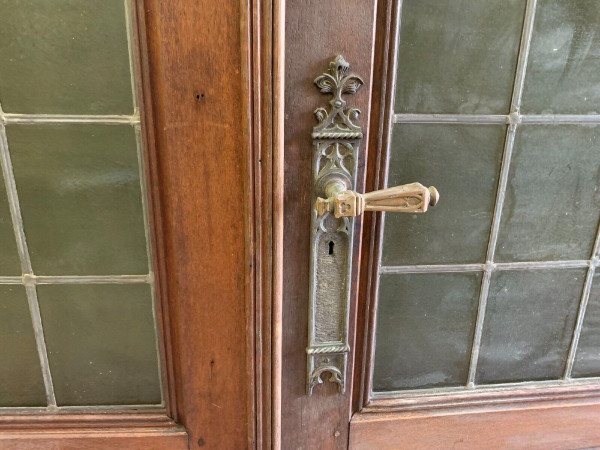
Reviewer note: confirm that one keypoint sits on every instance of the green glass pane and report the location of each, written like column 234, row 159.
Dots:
column 529, row 323
column 80, row 197
column 563, row 74
column 9, row 258
column 21, row 382
column 101, row 344
column 64, row 57
column 463, row 162
column 587, row 360
column 425, row 326
column 552, row 204
column 458, row 56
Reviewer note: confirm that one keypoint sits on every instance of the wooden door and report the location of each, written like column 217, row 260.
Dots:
column 140, row 216
column 472, row 325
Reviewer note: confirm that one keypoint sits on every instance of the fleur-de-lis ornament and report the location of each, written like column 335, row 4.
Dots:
column 337, row 123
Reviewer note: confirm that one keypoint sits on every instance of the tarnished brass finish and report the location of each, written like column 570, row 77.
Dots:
column 336, row 143
column 408, row 198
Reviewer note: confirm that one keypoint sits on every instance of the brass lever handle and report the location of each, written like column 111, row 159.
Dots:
column 408, row 198
column 336, row 155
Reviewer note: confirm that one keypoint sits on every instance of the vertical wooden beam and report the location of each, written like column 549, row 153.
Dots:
column 196, row 76
column 316, row 31
column 216, row 83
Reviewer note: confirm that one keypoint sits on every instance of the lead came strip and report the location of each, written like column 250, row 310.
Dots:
column 489, row 265
column 514, row 119
column 525, row 265
column 31, row 119
column 129, row 9
column 78, row 279
column 451, row 118
column 32, row 300
column 482, row 119
column 585, row 296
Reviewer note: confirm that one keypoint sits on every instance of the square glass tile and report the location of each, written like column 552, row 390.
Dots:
column 563, row 73
column 458, row 56
column 101, row 344
column 587, row 359
column 79, row 190
column 64, row 57
column 425, row 326
column 463, row 162
column 9, row 258
column 21, row 382
column 528, row 325
column 552, row 204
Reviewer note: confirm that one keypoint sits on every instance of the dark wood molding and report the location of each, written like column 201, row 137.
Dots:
column 108, row 430
column 142, row 67
column 264, row 32
column 485, row 398
column 386, row 32
column 97, row 439
column 530, row 425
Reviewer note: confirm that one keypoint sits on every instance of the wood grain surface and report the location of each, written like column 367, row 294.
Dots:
column 216, row 71
column 562, row 427
column 316, row 32
column 211, row 96
column 105, row 430
column 200, row 100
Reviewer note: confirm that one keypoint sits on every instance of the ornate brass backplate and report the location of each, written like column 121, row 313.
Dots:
column 336, row 142
column 335, row 154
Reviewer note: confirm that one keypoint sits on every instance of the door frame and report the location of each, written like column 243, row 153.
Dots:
column 210, row 83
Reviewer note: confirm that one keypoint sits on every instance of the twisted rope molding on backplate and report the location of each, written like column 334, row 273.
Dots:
column 328, row 349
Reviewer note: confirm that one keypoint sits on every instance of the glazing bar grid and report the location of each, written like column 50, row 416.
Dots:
column 28, row 279
column 514, row 119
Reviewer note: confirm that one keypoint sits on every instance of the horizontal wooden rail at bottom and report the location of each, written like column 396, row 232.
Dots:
column 532, row 427
column 70, row 431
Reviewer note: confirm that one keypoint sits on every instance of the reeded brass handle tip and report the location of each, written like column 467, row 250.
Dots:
column 408, row 198
column 434, row 195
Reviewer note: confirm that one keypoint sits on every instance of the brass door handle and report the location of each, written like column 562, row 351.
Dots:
column 336, row 153
column 408, row 198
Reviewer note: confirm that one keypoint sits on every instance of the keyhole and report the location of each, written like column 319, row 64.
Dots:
column 331, row 244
